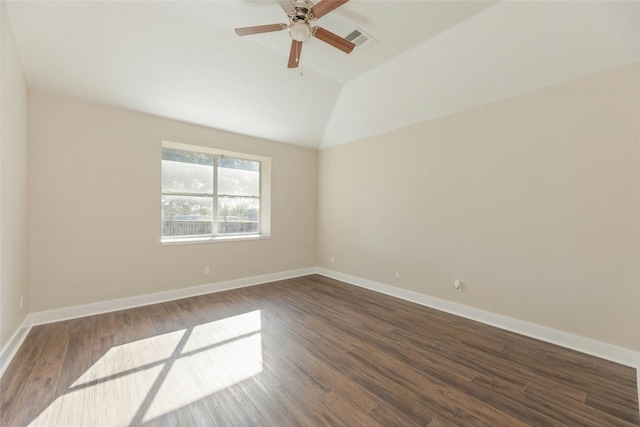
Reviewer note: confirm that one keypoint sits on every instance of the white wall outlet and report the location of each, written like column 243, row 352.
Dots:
column 333, row 260
column 397, row 274
column 21, row 302
column 207, row 271
column 457, row 285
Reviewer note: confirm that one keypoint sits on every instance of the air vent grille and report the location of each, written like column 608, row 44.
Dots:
column 362, row 40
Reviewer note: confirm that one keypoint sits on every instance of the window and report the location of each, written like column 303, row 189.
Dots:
column 210, row 194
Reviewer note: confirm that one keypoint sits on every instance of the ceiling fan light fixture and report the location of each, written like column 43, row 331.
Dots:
column 300, row 31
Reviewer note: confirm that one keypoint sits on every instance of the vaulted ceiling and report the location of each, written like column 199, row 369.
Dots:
column 183, row 60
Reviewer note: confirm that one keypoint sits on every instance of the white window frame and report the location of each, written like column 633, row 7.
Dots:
column 265, row 197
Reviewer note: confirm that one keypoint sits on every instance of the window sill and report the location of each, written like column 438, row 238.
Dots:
column 217, row 239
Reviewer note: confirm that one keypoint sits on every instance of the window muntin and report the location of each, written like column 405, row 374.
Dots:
column 208, row 193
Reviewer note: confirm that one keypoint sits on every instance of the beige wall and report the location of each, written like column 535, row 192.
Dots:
column 95, row 207
column 533, row 202
column 14, row 269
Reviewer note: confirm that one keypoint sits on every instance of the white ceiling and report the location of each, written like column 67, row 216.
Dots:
column 182, row 59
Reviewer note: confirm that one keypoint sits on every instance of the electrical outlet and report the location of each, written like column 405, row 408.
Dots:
column 397, row 273
column 207, row 271
column 457, row 285
column 333, row 260
column 21, row 302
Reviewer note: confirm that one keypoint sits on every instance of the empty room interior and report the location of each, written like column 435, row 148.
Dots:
column 286, row 213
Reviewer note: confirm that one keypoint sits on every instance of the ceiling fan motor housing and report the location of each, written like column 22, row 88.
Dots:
column 303, row 6
column 300, row 28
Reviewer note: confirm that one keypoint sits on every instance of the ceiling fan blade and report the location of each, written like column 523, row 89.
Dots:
column 247, row 31
column 294, row 55
column 286, row 5
column 333, row 39
column 326, row 6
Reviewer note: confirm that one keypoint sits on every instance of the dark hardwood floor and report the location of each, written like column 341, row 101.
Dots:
column 305, row 351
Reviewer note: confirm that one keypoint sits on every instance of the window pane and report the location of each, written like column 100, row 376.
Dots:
column 238, row 215
column 186, row 216
column 238, row 177
column 187, row 172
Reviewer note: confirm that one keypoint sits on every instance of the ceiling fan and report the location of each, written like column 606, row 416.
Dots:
column 300, row 14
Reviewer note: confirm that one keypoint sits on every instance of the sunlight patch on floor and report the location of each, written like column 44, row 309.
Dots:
column 146, row 379
column 201, row 374
column 125, row 359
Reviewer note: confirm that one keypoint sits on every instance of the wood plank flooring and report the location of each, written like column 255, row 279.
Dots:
column 306, row 351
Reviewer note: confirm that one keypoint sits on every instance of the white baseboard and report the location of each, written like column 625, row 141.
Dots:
column 14, row 343
column 600, row 349
column 67, row 313
column 585, row 345
column 39, row 318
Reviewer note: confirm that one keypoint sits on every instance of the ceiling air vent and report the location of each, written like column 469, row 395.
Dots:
column 362, row 40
